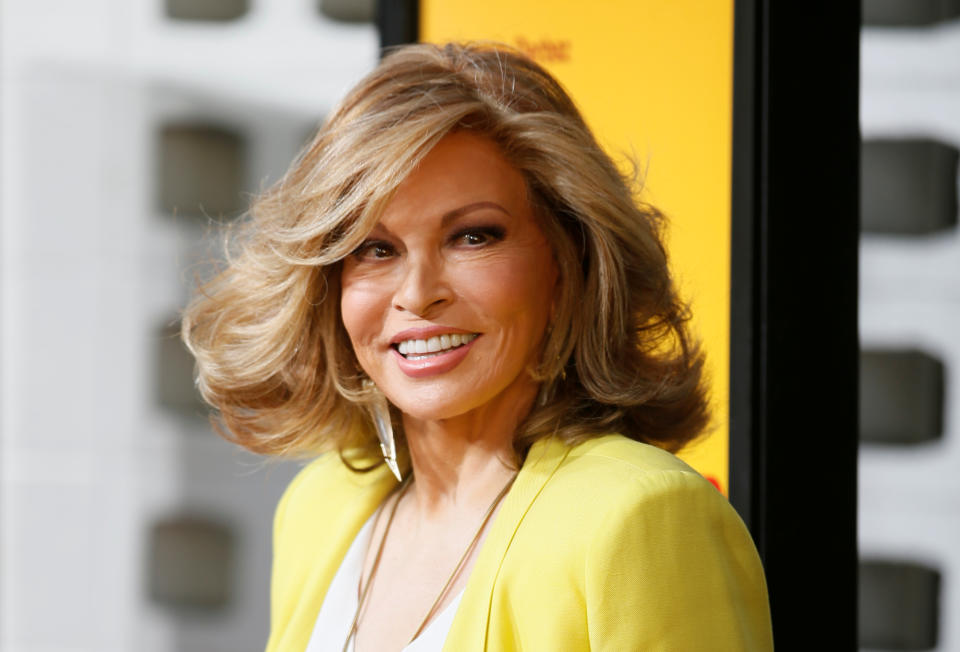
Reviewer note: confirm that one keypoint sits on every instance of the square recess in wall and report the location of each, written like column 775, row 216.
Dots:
column 349, row 11
column 173, row 374
column 899, row 605
column 190, row 563
column 206, row 10
column 201, row 170
column 901, row 397
column 908, row 187
column 909, row 13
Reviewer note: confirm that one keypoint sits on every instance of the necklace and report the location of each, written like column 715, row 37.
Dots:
column 365, row 591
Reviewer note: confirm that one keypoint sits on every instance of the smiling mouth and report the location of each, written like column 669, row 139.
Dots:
column 434, row 346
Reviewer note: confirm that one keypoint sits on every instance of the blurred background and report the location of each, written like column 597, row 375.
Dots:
column 909, row 464
column 131, row 129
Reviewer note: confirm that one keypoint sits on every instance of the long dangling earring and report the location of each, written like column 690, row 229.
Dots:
column 381, row 421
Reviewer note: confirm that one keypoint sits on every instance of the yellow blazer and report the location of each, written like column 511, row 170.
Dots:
column 608, row 545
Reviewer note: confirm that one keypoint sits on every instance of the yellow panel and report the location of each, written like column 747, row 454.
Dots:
column 654, row 81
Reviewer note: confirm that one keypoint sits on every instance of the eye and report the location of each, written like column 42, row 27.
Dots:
column 374, row 249
column 478, row 236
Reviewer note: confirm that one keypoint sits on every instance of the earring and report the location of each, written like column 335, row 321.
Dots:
column 381, row 421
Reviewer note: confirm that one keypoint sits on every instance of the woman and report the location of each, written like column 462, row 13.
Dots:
column 455, row 276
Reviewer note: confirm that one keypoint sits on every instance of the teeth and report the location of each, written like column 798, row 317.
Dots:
column 435, row 344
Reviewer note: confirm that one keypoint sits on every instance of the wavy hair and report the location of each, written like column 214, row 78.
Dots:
column 272, row 354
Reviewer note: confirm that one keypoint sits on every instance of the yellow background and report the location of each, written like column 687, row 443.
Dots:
column 654, row 79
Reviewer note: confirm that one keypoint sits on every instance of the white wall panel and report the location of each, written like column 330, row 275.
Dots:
column 92, row 269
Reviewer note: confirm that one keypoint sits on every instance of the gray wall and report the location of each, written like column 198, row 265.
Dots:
column 128, row 134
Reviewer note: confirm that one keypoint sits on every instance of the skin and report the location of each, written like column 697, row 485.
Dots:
column 459, row 247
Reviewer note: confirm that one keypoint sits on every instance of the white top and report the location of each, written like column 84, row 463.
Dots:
column 340, row 606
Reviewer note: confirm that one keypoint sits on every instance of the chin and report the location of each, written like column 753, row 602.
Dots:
column 431, row 410
column 442, row 401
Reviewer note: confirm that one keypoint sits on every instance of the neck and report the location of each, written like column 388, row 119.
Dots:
column 465, row 461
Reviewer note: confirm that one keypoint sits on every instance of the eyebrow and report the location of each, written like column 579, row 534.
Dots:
column 457, row 213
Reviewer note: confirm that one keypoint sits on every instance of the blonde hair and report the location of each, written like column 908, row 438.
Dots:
column 272, row 353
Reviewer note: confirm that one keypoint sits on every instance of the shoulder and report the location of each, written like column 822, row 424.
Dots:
column 634, row 530
column 618, row 452
column 610, row 489
column 324, row 488
column 621, row 472
column 326, row 494
column 313, row 476
column 617, row 501
column 304, row 506
column 312, row 482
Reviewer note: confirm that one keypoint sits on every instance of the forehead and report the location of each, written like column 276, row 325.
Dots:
column 462, row 169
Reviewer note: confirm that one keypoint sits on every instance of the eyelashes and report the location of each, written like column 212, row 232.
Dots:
column 374, row 249
column 479, row 235
column 473, row 237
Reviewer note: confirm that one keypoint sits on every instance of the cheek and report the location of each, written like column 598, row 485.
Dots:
column 361, row 309
column 517, row 292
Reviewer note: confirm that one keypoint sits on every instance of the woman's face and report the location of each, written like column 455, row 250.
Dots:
column 447, row 300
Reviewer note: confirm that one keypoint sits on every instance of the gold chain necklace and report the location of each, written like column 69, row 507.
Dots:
column 365, row 591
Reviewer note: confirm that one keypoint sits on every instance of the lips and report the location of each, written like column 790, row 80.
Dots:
column 413, row 354
column 416, row 349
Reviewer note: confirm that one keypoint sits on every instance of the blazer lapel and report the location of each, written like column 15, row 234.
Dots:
column 470, row 625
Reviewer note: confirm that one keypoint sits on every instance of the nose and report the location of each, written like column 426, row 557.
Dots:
column 423, row 288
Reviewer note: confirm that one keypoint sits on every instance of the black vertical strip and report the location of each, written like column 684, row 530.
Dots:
column 794, row 309
column 398, row 21
column 743, row 446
